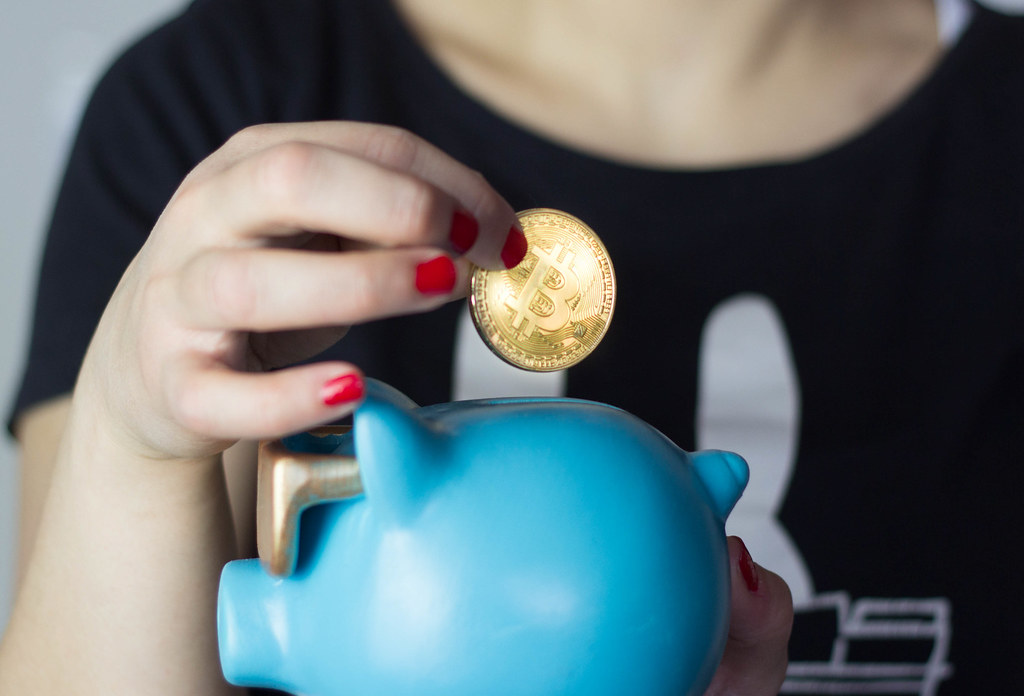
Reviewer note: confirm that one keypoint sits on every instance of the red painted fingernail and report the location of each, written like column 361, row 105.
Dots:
column 342, row 389
column 514, row 250
column 747, row 568
column 464, row 231
column 436, row 277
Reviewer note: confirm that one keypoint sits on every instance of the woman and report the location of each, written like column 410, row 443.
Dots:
column 837, row 159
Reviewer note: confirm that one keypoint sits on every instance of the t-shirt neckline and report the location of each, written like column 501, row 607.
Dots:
column 873, row 135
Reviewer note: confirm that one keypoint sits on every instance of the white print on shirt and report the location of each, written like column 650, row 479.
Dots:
column 480, row 374
column 748, row 401
column 887, row 627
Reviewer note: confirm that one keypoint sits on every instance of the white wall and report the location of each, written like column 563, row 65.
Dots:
column 50, row 51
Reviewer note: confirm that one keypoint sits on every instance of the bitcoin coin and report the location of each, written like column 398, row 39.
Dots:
column 551, row 310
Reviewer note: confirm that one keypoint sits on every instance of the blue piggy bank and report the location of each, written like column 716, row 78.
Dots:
column 519, row 546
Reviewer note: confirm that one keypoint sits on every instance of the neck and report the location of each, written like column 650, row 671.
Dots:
column 638, row 33
column 683, row 81
column 656, row 30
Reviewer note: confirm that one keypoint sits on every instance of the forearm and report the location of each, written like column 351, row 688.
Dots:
column 120, row 592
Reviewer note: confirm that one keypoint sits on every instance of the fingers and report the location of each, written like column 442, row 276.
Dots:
column 755, row 659
column 277, row 349
column 259, row 289
column 220, row 403
column 295, row 186
column 362, row 181
column 501, row 244
column 268, row 249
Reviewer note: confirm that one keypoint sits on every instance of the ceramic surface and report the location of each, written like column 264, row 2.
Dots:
column 521, row 546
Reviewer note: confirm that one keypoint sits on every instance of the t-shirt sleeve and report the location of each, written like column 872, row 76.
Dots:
column 165, row 103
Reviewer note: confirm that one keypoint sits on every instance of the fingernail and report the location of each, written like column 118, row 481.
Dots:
column 436, row 277
column 342, row 389
column 747, row 568
column 514, row 250
column 464, row 231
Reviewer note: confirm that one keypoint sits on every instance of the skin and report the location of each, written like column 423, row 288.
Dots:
column 129, row 471
column 684, row 83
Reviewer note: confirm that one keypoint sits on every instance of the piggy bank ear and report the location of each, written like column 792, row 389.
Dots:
column 394, row 448
column 724, row 476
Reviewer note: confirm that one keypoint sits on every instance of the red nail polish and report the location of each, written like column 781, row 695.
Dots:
column 747, row 568
column 464, row 231
column 514, row 250
column 436, row 277
column 342, row 389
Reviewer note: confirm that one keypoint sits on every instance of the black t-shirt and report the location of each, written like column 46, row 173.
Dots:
column 888, row 270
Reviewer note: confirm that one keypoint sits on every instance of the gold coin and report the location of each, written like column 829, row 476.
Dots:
column 551, row 310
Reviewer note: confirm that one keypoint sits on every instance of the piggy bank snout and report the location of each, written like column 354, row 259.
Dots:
column 250, row 647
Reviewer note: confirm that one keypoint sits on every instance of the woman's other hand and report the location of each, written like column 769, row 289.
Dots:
column 756, row 653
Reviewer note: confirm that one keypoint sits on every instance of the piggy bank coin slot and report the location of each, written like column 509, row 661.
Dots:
column 325, row 440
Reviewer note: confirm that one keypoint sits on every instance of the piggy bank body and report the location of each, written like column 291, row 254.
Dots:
column 526, row 546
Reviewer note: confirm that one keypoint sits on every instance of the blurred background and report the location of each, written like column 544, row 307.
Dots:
column 52, row 52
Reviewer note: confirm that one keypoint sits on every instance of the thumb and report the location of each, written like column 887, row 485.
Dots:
column 756, row 652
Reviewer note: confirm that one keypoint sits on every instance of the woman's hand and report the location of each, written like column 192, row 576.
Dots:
column 272, row 245
column 268, row 249
column 756, row 653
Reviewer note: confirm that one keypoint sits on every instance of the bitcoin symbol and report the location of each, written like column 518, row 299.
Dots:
column 549, row 312
column 551, row 286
